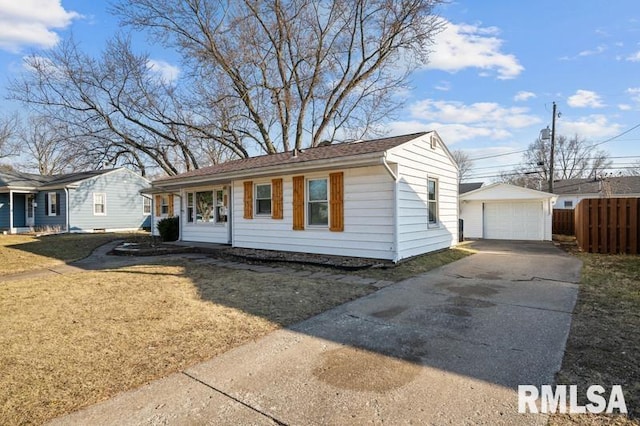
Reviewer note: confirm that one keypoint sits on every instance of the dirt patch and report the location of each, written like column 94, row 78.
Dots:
column 361, row 370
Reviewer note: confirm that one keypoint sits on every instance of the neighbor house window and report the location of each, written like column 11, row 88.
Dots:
column 263, row 199
column 204, row 206
column 99, row 204
column 146, row 205
column 317, row 202
column 52, row 205
column 221, row 206
column 432, row 200
column 568, row 203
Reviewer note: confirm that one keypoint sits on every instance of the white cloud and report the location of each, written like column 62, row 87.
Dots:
column 523, row 96
column 25, row 23
column 634, row 57
column 456, row 121
column 584, row 99
column 461, row 46
column 443, row 86
column 624, row 107
column 590, row 127
column 591, row 52
column 167, row 72
column 635, row 93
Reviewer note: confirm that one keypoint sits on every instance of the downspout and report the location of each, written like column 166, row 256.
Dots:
column 396, row 208
column 67, row 214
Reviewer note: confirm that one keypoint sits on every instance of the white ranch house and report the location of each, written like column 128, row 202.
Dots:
column 389, row 198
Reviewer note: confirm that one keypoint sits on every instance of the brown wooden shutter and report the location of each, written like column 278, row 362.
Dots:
column 336, row 202
column 298, row 203
column 170, row 205
column 248, row 199
column 276, row 199
column 158, row 205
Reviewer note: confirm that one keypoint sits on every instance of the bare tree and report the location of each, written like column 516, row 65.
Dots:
column 288, row 73
column 49, row 149
column 8, row 129
column 574, row 158
column 121, row 111
column 465, row 164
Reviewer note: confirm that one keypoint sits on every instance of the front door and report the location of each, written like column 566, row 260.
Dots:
column 30, row 213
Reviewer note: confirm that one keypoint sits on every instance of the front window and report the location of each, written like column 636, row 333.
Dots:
column 204, row 206
column 263, row 199
column 221, row 206
column 99, row 204
column 164, row 206
column 432, row 200
column 317, row 202
column 52, row 207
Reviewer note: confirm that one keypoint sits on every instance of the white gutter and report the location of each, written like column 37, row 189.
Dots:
column 396, row 208
column 10, row 212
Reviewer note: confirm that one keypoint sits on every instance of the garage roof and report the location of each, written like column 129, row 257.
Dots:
column 505, row 191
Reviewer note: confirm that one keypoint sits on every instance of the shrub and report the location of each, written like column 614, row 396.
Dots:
column 169, row 228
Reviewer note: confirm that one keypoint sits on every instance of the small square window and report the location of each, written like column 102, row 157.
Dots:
column 263, row 199
column 568, row 203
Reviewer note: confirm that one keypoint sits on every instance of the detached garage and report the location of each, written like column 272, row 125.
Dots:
column 506, row 212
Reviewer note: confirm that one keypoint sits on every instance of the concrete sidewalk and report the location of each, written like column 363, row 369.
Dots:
column 449, row 346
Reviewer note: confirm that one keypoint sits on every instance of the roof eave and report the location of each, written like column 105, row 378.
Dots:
column 362, row 160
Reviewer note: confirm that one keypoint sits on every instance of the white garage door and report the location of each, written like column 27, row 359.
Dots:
column 513, row 221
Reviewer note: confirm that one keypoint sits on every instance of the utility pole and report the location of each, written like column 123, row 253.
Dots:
column 553, row 148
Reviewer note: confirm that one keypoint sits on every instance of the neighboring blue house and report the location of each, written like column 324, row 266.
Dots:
column 100, row 200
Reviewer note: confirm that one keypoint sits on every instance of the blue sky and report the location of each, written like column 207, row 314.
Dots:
column 494, row 72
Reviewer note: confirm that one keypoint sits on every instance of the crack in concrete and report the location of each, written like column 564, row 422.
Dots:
column 262, row 413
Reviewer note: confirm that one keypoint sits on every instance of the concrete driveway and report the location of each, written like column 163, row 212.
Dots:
column 449, row 346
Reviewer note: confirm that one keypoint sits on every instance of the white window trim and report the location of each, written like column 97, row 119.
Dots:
column 164, row 201
column 104, row 203
column 306, row 203
column 215, row 206
column 255, row 199
column 146, row 199
column 435, row 224
column 53, row 200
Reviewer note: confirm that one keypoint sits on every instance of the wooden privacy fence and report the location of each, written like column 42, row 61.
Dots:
column 608, row 225
column 563, row 222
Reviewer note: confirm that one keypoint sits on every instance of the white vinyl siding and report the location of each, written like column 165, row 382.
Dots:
column 202, row 203
column 417, row 162
column 368, row 219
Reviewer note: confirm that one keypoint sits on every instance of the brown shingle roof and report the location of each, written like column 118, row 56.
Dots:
column 306, row 155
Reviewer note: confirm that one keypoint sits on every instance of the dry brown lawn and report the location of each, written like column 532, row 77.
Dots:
column 604, row 342
column 20, row 253
column 74, row 340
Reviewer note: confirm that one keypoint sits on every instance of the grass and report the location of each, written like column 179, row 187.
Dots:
column 19, row 253
column 604, row 341
column 74, row 340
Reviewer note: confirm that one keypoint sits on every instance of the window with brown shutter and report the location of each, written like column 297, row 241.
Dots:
column 336, row 203
column 298, row 203
column 248, row 200
column 276, row 195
